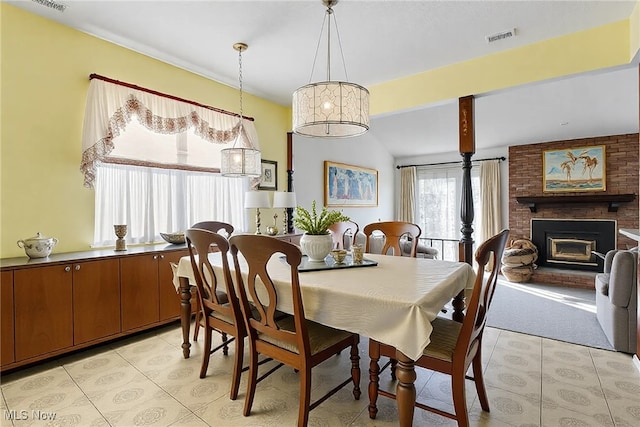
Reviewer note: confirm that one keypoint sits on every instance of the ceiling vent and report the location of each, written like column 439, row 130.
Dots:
column 501, row 35
column 51, row 5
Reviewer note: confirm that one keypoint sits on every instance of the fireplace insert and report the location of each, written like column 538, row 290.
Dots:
column 573, row 243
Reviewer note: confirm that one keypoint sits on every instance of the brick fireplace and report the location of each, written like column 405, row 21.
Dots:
column 525, row 181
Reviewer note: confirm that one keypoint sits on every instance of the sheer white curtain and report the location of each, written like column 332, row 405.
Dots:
column 407, row 194
column 154, row 200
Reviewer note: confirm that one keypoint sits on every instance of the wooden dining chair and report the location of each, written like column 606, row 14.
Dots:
column 454, row 346
column 338, row 231
column 218, row 314
column 216, row 227
column 393, row 231
column 293, row 341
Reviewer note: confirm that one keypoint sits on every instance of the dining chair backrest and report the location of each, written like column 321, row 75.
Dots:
column 218, row 306
column 218, row 227
column 338, row 231
column 200, row 242
column 393, row 231
column 488, row 253
column 215, row 226
column 291, row 340
column 257, row 250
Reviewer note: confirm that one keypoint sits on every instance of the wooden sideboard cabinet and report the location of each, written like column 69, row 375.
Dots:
column 96, row 300
column 148, row 294
column 64, row 305
column 43, row 298
column 65, row 302
column 6, row 318
column 139, row 286
column 169, row 296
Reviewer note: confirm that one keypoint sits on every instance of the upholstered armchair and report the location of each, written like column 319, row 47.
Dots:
column 616, row 299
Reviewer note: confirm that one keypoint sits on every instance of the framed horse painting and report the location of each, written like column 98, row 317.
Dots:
column 574, row 170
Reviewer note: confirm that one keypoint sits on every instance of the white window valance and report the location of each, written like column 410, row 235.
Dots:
column 111, row 106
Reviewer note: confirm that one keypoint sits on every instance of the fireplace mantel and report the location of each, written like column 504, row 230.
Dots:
column 613, row 200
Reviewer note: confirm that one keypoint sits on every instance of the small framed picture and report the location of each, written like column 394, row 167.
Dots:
column 269, row 178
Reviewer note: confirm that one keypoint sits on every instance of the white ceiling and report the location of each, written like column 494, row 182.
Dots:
column 381, row 41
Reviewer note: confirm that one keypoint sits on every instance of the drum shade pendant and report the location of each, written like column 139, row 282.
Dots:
column 242, row 159
column 330, row 109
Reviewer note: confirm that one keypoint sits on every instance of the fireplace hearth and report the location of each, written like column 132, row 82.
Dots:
column 573, row 243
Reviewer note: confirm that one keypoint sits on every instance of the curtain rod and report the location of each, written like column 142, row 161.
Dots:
column 451, row 163
column 165, row 95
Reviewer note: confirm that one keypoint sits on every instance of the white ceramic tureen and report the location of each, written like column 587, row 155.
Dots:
column 38, row 246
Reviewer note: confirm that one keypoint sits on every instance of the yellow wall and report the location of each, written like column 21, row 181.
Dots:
column 601, row 47
column 45, row 76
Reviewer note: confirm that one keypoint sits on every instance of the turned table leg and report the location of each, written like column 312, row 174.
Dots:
column 458, row 307
column 406, row 389
column 185, row 314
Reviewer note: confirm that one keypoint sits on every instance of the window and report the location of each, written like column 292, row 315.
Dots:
column 439, row 193
column 153, row 160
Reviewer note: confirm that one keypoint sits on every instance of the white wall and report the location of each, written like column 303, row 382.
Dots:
column 309, row 155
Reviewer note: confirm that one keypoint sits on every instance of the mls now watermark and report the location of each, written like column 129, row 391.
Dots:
column 37, row 415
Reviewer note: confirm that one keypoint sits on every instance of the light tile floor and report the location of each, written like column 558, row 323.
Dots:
column 144, row 380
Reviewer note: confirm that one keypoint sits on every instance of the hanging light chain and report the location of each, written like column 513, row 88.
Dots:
column 329, row 13
column 240, row 47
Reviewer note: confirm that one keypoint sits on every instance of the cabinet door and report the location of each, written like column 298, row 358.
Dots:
column 169, row 298
column 6, row 318
column 96, row 300
column 139, row 290
column 43, row 310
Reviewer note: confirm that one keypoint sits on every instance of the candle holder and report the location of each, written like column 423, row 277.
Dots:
column 121, row 231
column 272, row 230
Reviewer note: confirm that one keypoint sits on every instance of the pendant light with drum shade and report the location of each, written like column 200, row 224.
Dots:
column 242, row 159
column 330, row 109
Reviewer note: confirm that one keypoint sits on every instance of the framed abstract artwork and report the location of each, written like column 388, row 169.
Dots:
column 347, row 185
column 574, row 170
column 269, row 178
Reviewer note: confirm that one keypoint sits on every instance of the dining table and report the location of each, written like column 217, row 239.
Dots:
column 391, row 299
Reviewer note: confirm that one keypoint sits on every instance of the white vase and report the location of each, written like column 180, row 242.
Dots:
column 316, row 247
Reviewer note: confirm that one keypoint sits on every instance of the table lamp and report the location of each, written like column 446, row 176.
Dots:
column 257, row 199
column 286, row 200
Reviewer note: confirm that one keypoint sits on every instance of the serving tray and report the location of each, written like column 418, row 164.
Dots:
column 330, row 264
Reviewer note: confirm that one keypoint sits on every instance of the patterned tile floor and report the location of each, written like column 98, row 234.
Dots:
column 144, row 381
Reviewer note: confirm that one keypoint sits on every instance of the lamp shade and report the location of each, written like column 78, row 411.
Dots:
column 256, row 199
column 237, row 162
column 284, row 199
column 331, row 109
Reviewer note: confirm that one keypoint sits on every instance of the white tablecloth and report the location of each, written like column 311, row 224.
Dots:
column 393, row 302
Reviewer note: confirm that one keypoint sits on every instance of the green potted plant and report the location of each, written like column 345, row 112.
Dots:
column 316, row 241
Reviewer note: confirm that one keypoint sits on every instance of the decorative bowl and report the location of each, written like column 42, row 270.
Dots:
column 176, row 238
